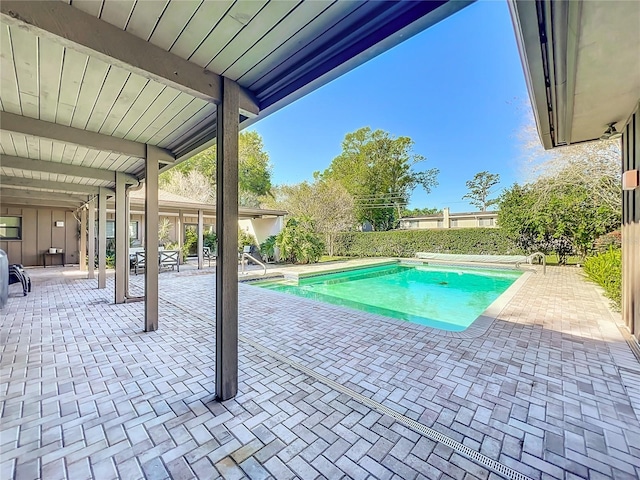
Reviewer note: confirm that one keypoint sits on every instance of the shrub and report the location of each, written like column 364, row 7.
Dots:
column 606, row 270
column 299, row 244
column 244, row 239
column 268, row 248
column 609, row 240
column 405, row 243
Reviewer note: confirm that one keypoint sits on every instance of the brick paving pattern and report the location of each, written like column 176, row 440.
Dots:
column 550, row 390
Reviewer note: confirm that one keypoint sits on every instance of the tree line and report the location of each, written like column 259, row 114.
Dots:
column 571, row 198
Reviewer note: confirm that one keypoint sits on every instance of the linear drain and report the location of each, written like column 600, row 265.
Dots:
column 428, row 432
column 477, row 457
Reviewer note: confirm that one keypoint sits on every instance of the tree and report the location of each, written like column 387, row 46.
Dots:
column 419, row 212
column 376, row 169
column 562, row 211
column 254, row 172
column 323, row 206
column 480, row 189
column 193, row 185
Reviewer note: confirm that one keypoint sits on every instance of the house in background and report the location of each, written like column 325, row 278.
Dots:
column 28, row 232
column 446, row 219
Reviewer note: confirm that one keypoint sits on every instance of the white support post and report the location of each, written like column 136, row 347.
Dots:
column 102, row 239
column 92, row 240
column 151, row 241
column 83, row 240
column 180, row 234
column 227, row 230
column 122, row 239
column 200, row 242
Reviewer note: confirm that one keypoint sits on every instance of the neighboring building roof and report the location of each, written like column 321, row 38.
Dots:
column 167, row 200
column 491, row 213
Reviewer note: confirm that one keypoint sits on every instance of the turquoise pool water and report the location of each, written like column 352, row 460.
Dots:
column 448, row 298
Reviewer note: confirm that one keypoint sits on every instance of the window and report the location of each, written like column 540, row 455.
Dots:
column 133, row 230
column 486, row 222
column 454, row 222
column 10, row 228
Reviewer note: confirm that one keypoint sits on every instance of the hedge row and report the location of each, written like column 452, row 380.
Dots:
column 405, row 243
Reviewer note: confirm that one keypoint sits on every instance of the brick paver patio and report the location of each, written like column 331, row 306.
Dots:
column 550, row 389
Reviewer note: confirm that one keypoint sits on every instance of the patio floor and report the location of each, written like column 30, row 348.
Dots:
column 549, row 390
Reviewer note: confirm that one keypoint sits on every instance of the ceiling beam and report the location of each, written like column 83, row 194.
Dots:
column 33, row 165
column 73, row 28
column 39, row 202
column 40, row 195
column 46, row 184
column 39, row 128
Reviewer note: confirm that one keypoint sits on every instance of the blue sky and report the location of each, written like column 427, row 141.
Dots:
column 456, row 89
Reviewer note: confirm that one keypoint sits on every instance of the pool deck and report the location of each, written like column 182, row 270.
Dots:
column 549, row 390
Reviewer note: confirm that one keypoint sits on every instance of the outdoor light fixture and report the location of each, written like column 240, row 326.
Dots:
column 611, row 133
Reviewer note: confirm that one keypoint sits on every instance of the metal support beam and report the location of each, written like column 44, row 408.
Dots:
column 92, row 239
column 200, row 235
column 29, row 164
column 83, row 240
column 122, row 239
column 102, row 239
column 151, row 241
column 7, row 181
column 227, row 230
column 114, row 46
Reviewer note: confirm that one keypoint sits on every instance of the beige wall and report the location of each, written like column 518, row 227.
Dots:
column 39, row 233
column 454, row 222
column 261, row 228
column 631, row 228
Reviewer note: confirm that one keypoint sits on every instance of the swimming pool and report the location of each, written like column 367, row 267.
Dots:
column 447, row 298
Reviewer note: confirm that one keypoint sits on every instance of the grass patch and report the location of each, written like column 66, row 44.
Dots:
column 328, row 258
column 553, row 260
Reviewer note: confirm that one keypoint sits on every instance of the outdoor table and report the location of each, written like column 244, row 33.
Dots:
column 47, row 254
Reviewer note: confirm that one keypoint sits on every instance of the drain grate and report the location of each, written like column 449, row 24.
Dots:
column 428, row 432
column 477, row 457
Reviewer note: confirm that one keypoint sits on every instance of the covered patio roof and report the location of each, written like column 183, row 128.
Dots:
column 87, row 85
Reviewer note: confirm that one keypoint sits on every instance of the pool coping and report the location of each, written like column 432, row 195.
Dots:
column 477, row 328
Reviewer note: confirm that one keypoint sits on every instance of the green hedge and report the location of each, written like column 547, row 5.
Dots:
column 606, row 270
column 405, row 243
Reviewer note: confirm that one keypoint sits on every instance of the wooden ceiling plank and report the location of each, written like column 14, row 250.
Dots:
column 51, row 58
column 117, row 12
column 178, row 121
column 160, row 121
column 199, row 26
column 260, row 26
column 116, row 47
column 8, row 79
column 134, row 85
column 92, row 83
column 19, row 142
column 175, row 17
column 145, row 17
column 25, row 50
column 73, row 68
column 160, row 104
column 148, row 95
column 328, row 16
column 113, row 85
column 237, row 19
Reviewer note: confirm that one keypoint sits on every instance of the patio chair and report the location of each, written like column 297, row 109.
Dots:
column 140, row 261
column 207, row 254
column 17, row 274
column 170, row 258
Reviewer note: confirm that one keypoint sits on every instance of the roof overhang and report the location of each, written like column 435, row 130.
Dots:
column 88, row 87
column 581, row 62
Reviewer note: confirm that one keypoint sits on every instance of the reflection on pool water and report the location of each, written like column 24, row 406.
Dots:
column 443, row 297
